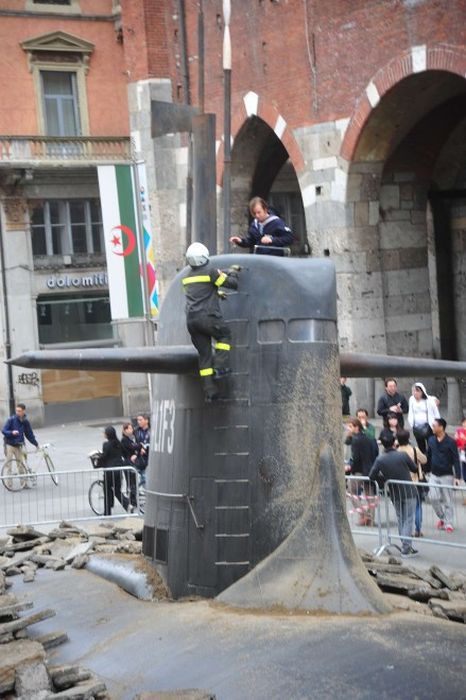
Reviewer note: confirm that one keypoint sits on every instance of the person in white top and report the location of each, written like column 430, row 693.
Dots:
column 422, row 411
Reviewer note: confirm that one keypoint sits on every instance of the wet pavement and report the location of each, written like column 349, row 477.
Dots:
column 137, row 646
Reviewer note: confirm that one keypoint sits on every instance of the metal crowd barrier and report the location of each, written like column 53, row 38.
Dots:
column 38, row 501
column 371, row 511
column 363, row 507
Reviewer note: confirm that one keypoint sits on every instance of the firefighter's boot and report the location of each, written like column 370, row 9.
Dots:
column 210, row 388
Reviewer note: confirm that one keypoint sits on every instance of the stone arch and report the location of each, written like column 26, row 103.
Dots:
column 265, row 161
column 397, row 151
column 421, row 58
column 253, row 105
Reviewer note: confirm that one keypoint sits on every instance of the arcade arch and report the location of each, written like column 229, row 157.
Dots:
column 261, row 166
column 407, row 191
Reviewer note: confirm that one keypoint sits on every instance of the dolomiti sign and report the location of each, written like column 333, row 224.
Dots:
column 97, row 279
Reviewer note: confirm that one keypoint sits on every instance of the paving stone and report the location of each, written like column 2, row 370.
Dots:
column 390, row 568
column 70, row 548
column 453, row 609
column 425, row 576
column 455, row 595
column 44, row 559
column 129, row 548
column 80, row 561
column 444, row 579
column 53, row 639
column 17, row 559
column 58, row 534
column 401, row 602
column 64, row 677
column 10, row 606
column 424, row 595
column 31, row 679
column 25, row 545
column 22, row 622
column 401, row 583
column 83, row 691
column 24, row 532
column 17, row 654
column 29, row 575
column 99, row 531
column 55, row 564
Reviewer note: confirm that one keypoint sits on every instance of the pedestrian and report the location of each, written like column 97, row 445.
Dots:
column 16, row 429
column 266, row 229
column 392, row 464
column 364, row 451
column 393, row 426
column 130, row 451
column 202, row 284
column 392, row 402
column 345, row 396
column 460, row 439
column 443, row 463
column 422, row 411
column 112, row 456
column 420, row 461
column 142, row 437
column 368, row 429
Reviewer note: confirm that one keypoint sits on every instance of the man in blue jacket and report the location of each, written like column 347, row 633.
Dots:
column 15, row 430
column 443, row 462
column 266, row 229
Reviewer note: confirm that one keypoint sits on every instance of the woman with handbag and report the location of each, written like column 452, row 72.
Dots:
column 419, row 460
column 112, row 456
column 422, row 411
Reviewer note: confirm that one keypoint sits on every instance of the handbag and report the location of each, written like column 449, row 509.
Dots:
column 422, row 431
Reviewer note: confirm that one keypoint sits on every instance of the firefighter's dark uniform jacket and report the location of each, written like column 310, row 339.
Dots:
column 201, row 286
column 204, row 317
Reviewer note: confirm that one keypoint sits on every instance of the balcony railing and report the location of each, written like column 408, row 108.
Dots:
column 36, row 150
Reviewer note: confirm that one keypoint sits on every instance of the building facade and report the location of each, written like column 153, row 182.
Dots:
column 63, row 113
column 352, row 118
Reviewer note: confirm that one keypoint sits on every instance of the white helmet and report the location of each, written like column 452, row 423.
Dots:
column 197, row 255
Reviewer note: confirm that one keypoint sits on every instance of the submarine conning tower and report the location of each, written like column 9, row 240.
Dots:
column 230, row 481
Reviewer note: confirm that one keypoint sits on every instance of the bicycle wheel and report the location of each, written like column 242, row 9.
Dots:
column 96, row 497
column 14, row 474
column 50, row 466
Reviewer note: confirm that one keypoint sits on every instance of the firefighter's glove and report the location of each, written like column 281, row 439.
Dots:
column 221, row 294
column 234, row 268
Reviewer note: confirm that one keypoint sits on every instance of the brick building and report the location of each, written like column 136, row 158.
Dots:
column 351, row 118
column 63, row 112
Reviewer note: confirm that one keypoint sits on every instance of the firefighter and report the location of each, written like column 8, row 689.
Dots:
column 203, row 285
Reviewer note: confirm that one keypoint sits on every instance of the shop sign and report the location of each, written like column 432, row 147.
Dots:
column 98, row 279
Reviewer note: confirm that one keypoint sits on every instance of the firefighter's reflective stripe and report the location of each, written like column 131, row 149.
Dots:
column 206, row 372
column 192, row 280
column 220, row 279
column 222, row 346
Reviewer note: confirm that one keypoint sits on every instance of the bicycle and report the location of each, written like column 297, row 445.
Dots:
column 17, row 474
column 96, row 494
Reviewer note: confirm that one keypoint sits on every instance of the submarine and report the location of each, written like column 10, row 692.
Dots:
column 245, row 498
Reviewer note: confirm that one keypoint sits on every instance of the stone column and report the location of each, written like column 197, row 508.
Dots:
column 454, row 407
column 21, row 303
